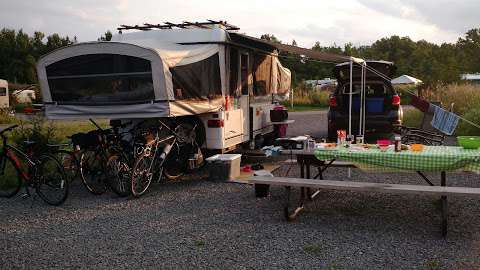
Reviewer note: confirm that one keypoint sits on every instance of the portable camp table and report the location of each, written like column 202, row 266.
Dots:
column 432, row 159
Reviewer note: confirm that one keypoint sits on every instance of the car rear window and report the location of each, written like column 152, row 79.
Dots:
column 371, row 89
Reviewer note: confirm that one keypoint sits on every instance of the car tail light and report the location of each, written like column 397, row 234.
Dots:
column 396, row 100
column 333, row 102
column 215, row 123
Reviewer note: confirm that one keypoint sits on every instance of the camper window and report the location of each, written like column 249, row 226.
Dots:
column 199, row 80
column 101, row 79
column 262, row 75
column 233, row 72
column 3, row 91
column 244, row 73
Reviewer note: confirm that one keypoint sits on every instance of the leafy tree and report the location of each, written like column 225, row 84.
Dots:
column 106, row 37
column 19, row 53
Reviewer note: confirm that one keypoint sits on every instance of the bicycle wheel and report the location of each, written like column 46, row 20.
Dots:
column 10, row 179
column 52, row 185
column 141, row 175
column 92, row 172
column 119, row 175
column 69, row 162
column 175, row 164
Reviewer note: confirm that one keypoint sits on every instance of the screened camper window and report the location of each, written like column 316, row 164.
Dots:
column 262, row 75
column 233, row 72
column 199, row 80
column 244, row 73
column 101, row 79
column 3, row 91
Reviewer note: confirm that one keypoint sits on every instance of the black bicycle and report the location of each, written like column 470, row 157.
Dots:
column 42, row 172
column 104, row 161
column 165, row 152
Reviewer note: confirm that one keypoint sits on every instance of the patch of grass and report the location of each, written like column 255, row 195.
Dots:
column 465, row 128
column 432, row 264
column 313, row 248
column 464, row 96
column 308, row 99
column 7, row 118
column 65, row 128
column 412, row 118
column 333, row 265
column 199, row 243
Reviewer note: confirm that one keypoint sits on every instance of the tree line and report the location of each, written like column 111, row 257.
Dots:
column 19, row 52
column 427, row 61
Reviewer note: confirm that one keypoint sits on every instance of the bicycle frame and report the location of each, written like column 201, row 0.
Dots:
column 11, row 152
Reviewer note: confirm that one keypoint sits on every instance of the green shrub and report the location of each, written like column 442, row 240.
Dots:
column 412, row 118
column 464, row 128
column 319, row 98
column 6, row 117
column 37, row 130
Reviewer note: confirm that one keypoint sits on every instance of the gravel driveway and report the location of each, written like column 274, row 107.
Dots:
column 202, row 224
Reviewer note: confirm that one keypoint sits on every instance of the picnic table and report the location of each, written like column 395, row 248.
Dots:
column 440, row 159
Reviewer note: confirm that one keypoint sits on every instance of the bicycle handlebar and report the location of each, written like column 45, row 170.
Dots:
column 10, row 128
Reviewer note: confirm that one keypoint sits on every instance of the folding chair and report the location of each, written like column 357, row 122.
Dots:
column 426, row 134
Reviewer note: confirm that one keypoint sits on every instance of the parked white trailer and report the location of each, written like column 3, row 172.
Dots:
column 24, row 95
column 4, row 98
column 211, row 76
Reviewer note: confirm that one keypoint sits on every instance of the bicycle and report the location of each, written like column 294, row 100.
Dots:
column 69, row 159
column 104, row 161
column 43, row 173
column 153, row 163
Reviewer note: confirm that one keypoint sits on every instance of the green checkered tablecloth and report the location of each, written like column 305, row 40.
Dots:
column 432, row 158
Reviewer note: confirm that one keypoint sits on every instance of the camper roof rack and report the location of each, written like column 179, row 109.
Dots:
column 185, row 24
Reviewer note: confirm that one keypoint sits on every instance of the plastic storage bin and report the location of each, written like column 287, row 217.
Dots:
column 375, row 105
column 224, row 167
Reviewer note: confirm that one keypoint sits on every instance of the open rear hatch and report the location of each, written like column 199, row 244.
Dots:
column 378, row 70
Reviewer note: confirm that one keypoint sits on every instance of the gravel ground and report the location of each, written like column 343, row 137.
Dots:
column 197, row 223
column 202, row 224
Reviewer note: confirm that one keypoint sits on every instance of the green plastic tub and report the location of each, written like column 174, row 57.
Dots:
column 469, row 142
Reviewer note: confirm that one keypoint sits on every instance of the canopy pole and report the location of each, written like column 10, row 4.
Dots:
column 364, row 96
column 350, row 99
column 362, row 108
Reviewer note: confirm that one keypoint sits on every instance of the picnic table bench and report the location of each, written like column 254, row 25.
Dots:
column 434, row 158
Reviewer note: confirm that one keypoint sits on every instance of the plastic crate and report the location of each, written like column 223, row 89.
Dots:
column 223, row 167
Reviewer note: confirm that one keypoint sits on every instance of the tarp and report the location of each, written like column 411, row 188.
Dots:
column 405, row 79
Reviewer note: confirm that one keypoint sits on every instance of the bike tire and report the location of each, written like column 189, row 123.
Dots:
column 175, row 164
column 119, row 175
column 70, row 163
column 10, row 178
column 92, row 172
column 52, row 179
column 142, row 175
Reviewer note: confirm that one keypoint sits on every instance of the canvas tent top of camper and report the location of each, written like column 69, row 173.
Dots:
column 172, row 71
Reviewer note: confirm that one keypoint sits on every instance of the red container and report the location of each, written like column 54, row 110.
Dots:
column 384, row 142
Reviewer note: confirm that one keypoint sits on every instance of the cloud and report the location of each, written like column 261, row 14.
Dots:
column 357, row 21
column 452, row 16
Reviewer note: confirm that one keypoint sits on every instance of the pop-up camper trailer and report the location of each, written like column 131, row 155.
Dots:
column 202, row 72
column 223, row 79
column 4, row 98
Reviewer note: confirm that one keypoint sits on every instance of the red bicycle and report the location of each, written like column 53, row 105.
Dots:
column 43, row 172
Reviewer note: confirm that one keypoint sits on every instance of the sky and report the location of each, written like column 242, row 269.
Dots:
column 360, row 22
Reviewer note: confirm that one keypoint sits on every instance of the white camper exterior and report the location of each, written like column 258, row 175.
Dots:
column 24, row 96
column 224, row 80
column 4, row 98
